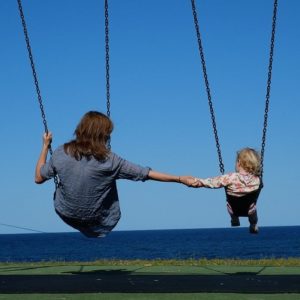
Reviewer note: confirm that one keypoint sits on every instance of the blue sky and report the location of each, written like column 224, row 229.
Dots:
column 158, row 103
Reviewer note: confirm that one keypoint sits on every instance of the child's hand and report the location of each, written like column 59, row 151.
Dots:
column 47, row 139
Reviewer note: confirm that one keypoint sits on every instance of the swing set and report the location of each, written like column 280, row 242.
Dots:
column 239, row 205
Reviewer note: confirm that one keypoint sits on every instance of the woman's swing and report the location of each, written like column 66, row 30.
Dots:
column 35, row 78
column 239, row 206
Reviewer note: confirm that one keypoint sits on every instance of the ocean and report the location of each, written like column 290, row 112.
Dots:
column 271, row 242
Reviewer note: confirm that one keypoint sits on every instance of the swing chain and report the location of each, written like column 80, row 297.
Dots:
column 107, row 63
column 107, row 58
column 268, row 88
column 213, row 119
column 36, row 82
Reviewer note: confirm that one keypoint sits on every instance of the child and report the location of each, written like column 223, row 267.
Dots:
column 245, row 181
column 86, row 197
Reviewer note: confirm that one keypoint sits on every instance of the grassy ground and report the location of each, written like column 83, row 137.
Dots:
column 289, row 266
column 136, row 269
column 278, row 262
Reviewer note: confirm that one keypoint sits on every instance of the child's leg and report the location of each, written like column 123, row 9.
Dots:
column 253, row 219
column 235, row 221
column 252, row 214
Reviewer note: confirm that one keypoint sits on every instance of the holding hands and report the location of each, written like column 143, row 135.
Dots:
column 190, row 181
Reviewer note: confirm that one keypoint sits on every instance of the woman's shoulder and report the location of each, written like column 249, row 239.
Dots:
column 114, row 158
column 59, row 152
column 117, row 160
column 59, row 149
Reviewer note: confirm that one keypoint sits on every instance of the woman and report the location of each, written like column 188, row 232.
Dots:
column 86, row 197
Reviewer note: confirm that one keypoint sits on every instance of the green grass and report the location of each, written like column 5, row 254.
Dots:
column 276, row 262
column 190, row 266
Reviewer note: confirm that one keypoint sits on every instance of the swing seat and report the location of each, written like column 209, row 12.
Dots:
column 241, row 206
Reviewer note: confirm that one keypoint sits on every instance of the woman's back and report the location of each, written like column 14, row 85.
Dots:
column 88, row 186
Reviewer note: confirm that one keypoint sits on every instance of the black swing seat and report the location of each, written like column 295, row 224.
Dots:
column 241, row 205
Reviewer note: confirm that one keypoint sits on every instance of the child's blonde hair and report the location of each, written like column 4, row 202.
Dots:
column 249, row 160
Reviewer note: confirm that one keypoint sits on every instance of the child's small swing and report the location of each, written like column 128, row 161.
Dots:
column 245, row 205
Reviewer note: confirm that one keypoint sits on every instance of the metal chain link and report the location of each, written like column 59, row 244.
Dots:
column 265, row 125
column 107, row 62
column 268, row 86
column 35, row 78
column 212, row 114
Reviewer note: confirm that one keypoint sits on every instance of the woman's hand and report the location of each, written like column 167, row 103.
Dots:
column 197, row 183
column 47, row 139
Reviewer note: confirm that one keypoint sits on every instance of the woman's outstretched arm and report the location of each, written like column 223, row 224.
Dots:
column 187, row 180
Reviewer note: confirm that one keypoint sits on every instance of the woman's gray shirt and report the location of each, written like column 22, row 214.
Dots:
column 88, row 188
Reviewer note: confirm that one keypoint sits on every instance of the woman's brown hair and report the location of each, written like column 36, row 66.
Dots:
column 92, row 134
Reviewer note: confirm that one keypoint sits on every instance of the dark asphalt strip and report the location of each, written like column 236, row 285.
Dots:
column 99, row 283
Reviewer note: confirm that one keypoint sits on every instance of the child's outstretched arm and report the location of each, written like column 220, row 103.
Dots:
column 213, row 182
column 187, row 180
column 47, row 138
